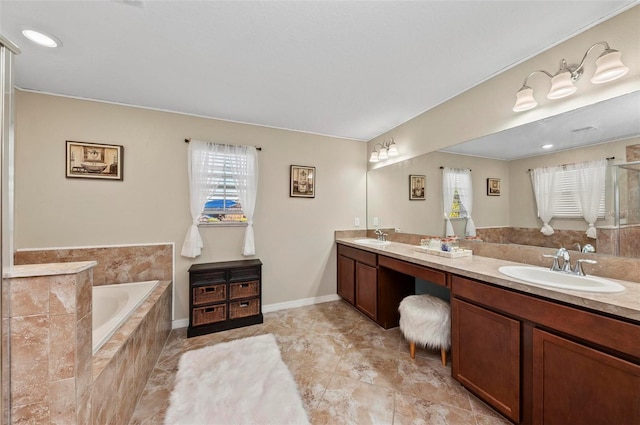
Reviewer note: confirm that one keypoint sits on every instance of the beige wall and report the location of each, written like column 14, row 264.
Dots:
column 487, row 108
column 522, row 201
column 294, row 237
column 388, row 194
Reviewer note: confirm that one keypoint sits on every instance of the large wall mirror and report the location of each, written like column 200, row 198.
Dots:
column 603, row 130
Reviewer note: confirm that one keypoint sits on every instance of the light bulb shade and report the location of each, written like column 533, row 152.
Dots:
column 382, row 155
column 374, row 157
column 393, row 149
column 609, row 66
column 524, row 100
column 561, row 86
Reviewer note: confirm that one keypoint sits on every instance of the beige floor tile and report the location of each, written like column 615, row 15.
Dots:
column 372, row 366
column 427, row 379
column 348, row 370
column 415, row 411
column 348, row 401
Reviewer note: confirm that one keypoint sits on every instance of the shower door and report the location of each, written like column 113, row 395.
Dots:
column 7, row 51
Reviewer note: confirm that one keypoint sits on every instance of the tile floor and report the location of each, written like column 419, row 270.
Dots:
column 348, row 370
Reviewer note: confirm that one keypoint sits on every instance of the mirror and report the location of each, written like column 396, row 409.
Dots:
column 602, row 130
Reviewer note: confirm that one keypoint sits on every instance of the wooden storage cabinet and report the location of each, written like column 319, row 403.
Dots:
column 224, row 295
column 487, row 360
column 574, row 366
column 566, row 375
column 357, row 279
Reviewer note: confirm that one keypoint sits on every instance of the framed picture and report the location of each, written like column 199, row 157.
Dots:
column 417, row 187
column 94, row 161
column 493, row 187
column 302, row 182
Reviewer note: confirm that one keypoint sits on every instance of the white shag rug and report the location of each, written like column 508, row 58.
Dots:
column 239, row 382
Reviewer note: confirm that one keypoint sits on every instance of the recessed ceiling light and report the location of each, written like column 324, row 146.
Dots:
column 41, row 38
column 547, row 146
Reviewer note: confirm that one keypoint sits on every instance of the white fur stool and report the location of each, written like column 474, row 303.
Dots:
column 426, row 320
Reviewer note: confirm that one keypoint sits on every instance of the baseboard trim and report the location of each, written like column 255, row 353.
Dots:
column 268, row 308
column 180, row 323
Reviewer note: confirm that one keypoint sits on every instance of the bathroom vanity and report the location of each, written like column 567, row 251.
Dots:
column 536, row 355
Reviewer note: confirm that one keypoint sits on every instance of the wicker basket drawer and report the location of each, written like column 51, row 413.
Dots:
column 209, row 294
column 244, row 308
column 244, row 289
column 209, row 314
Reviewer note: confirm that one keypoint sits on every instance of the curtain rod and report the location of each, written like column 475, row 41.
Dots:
column 564, row 165
column 442, row 168
column 258, row 148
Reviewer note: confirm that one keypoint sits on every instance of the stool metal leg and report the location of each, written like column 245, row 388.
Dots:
column 443, row 355
column 412, row 349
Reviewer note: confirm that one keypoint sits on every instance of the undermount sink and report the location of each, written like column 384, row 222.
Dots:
column 372, row 242
column 561, row 280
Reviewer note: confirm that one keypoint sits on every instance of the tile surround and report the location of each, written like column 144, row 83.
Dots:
column 48, row 331
column 114, row 264
column 348, row 371
column 53, row 371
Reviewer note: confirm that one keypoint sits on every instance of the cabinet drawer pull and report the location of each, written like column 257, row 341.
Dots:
column 210, row 289
column 210, row 309
column 244, row 285
column 244, row 304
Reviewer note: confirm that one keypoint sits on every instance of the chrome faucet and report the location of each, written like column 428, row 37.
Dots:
column 566, row 264
column 381, row 235
column 578, row 267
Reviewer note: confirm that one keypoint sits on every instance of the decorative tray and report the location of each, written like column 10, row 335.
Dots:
column 455, row 254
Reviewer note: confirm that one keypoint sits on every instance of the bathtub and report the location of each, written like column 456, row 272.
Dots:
column 113, row 304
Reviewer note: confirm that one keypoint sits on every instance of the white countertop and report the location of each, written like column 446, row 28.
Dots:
column 624, row 304
column 48, row 269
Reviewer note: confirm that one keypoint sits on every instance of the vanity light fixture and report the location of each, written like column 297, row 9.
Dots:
column 609, row 67
column 41, row 38
column 384, row 150
column 547, row 146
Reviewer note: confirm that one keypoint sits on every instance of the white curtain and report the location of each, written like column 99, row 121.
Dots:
column 543, row 181
column 457, row 179
column 465, row 192
column 201, row 187
column 448, row 188
column 244, row 167
column 590, row 179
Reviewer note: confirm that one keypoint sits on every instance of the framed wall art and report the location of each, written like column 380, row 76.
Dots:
column 493, row 187
column 94, row 161
column 417, row 187
column 302, row 182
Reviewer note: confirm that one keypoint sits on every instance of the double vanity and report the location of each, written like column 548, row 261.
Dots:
column 535, row 353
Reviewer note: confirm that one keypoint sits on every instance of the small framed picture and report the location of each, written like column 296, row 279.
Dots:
column 493, row 187
column 94, row 161
column 302, row 182
column 417, row 187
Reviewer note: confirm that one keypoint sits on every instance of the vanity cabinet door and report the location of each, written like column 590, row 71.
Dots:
column 367, row 290
column 486, row 355
column 347, row 279
column 576, row 384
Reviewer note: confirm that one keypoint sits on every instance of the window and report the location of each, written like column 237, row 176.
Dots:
column 567, row 201
column 223, row 206
column 457, row 207
column 457, row 198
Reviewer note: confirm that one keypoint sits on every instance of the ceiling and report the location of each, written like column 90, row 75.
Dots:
column 352, row 69
column 606, row 121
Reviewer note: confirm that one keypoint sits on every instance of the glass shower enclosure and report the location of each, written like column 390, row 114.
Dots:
column 626, row 181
